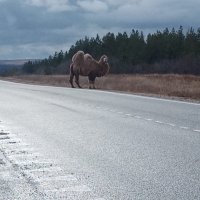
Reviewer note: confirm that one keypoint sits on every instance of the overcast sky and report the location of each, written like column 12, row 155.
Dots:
column 38, row 28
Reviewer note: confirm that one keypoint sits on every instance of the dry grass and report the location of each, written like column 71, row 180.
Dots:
column 182, row 86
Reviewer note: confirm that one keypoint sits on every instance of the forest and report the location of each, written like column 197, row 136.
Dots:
column 162, row 52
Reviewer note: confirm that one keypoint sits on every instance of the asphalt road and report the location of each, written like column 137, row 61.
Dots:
column 89, row 144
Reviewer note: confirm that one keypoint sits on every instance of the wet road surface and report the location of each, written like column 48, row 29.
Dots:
column 66, row 143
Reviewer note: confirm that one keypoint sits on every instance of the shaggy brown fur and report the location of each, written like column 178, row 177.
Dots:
column 85, row 65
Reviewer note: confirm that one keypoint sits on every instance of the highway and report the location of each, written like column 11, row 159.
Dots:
column 89, row 144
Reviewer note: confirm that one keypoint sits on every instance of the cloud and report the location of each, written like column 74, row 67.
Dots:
column 37, row 28
column 92, row 5
column 121, row 3
column 147, row 14
column 52, row 5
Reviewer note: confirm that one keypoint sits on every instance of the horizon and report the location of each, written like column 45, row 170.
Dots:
column 15, row 62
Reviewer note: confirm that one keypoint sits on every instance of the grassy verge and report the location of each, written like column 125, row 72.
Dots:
column 181, row 86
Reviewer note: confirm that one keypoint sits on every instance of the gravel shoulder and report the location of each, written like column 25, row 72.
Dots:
column 13, row 185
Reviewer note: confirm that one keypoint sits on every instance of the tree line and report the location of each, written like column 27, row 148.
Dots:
column 167, row 51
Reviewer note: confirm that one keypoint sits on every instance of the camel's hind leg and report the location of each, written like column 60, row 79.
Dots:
column 71, row 80
column 71, row 76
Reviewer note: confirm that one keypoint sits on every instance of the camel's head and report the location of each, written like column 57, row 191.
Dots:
column 105, row 65
column 104, row 59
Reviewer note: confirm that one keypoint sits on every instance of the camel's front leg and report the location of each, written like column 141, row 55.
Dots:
column 91, row 81
column 77, row 80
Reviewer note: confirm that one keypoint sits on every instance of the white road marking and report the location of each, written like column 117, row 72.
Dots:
column 44, row 173
column 44, row 169
column 138, row 117
column 184, row 127
column 6, row 175
column 33, row 162
column 127, row 114
column 195, row 130
column 11, row 135
column 159, row 122
column 4, row 134
column 19, row 151
column 148, row 119
column 170, row 124
column 57, row 178
column 9, row 142
column 4, row 138
column 98, row 199
column 24, row 156
column 79, row 188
